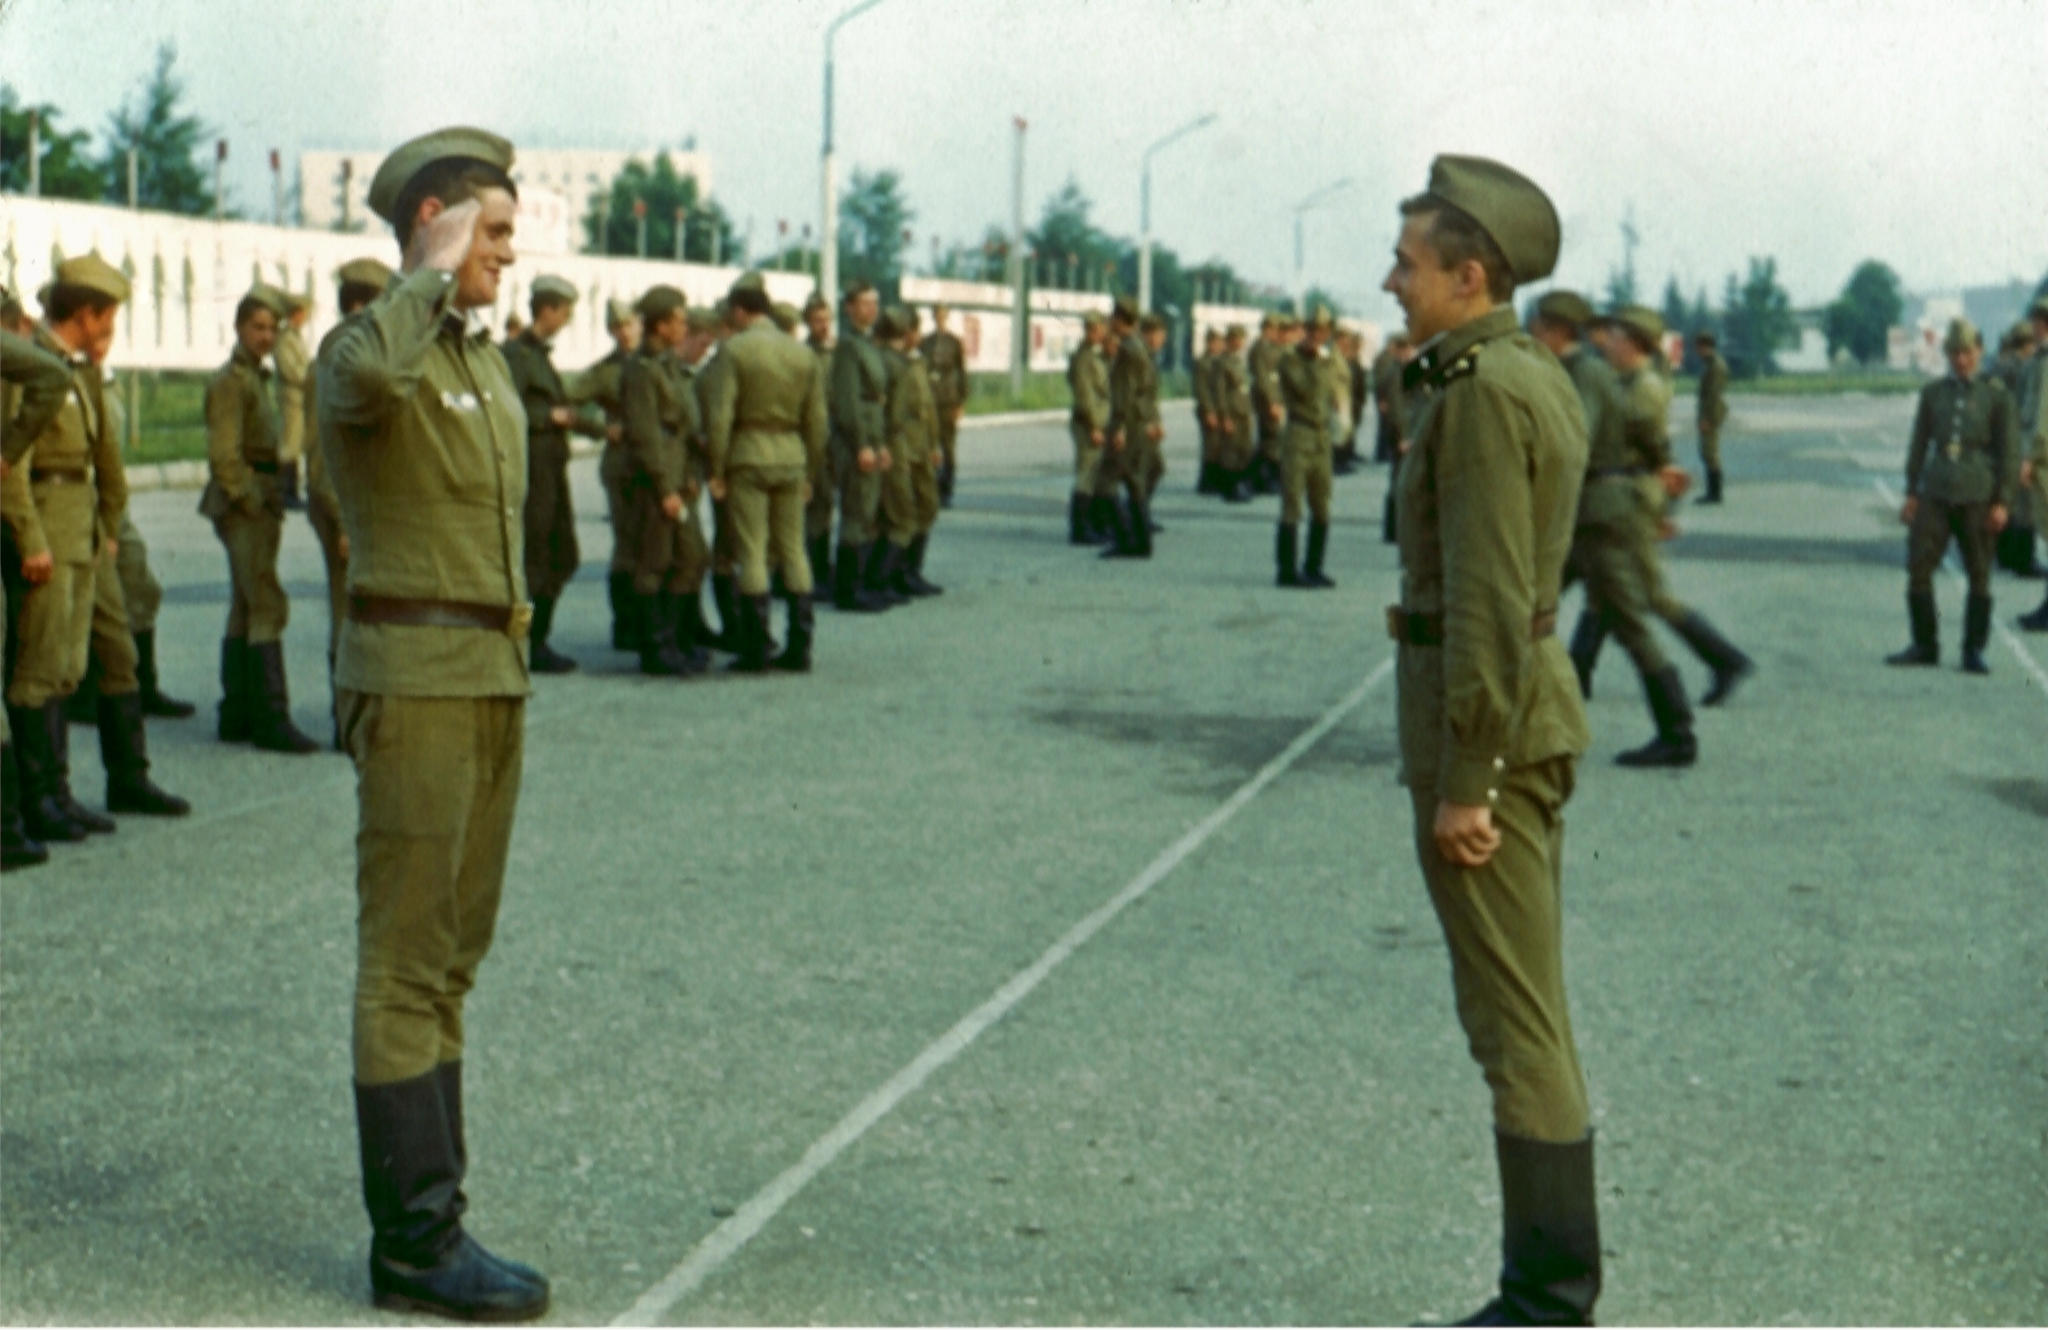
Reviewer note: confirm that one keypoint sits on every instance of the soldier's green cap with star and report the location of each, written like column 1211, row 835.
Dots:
column 1126, row 309
column 1151, row 323
column 547, row 286
column 416, row 155
column 1962, row 336
column 1566, row 307
column 92, row 273
column 1640, row 320
column 751, row 280
column 296, row 302
column 268, row 296
column 1706, row 337
column 658, row 302
column 1507, row 205
column 786, row 315
column 1319, row 318
column 364, row 272
column 888, row 325
column 704, row 321
column 2022, row 333
column 618, row 313
column 1237, row 332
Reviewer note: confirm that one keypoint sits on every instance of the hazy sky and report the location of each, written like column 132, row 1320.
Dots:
column 1820, row 133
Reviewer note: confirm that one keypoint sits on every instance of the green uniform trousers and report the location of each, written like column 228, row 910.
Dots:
column 924, row 490
column 765, row 512
column 670, row 553
column 327, row 529
column 1306, row 474
column 818, row 511
column 437, row 784
column 1234, row 449
column 1122, row 468
column 552, row 555
column 113, row 643
column 1087, row 460
column 860, row 502
column 949, row 439
column 55, row 625
column 257, row 605
column 611, row 470
column 1710, row 446
column 139, row 587
column 898, row 508
column 1927, row 542
column 1624, row 582
column 1504, row 923
column 1152, row 453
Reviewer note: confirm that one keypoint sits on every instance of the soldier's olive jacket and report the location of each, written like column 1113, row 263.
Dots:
column 1614, row 490
column 1965, row 446
column 323, row 505
column 1133, row 390
column 1304, row 378
column 244, row 430
column 1264, row 362
column 764, row 403
column 37, row 382
column 913, row 413
column 66, row 487
column 1232, row 390
column 1088, row 382
column 598, row 386
column 1713, row 404
column 294, row 378
column 532, row 366
column 661, row 420
column 426, row 439
column 1386, row 388
column 1201, row 384
column 1487, row 499
column 2033, row 386
column 945, row 362
column 859, row 394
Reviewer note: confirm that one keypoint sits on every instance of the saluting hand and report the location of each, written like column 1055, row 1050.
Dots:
column 446, row 241
column 1465, row 834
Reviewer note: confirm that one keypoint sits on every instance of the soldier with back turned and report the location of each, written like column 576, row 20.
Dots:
column 1713, row 408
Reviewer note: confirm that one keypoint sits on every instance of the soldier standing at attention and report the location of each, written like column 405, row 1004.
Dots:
column 1713, row 408
column 2033, row 417
column 764, row 423
column 552, row 556
column 894, row 520
column 1088, row 512
column 1134, row 427
column 1262, row 360
column 600, row 385
column 427, row 443
column 1202, row 389
column 824, row 489
column 294, row 373
column 1358, row 387
column 1232, row 395
column 661, row 419
column 1491, row 724
column 914, row 416
column 945, row 361
column 858, row 401
column 244, row 499
column 1305, row 472
column 1959, row 468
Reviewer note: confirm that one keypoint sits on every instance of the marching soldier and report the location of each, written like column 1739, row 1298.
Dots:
column 669, row 556
column 1959, row 471
column 1135, row 429
column 858, row 402
column 600, row 385
column 1305, row 456
column 552, row 556
column 824, row 490
column 945, row 361
column 294, row 372
column 765, row 425
column 911, row 496
column 1713, row 408
column 426, row 443
column 1088, row 511
column 244, row 499
column 1237, row 440
column 1491, row 724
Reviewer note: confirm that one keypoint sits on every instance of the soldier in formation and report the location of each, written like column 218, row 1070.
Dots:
column 1308, row 394
column 294, row 364
column 1237, row 438
column 1131, row 459
column 945, row 361
column 599, row 386
column 669, row 554
column 824, row 493
column 911, row 491
column 2033, row 420
column 1088, row 509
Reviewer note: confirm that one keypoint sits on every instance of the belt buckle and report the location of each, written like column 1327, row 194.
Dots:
column 519, row 622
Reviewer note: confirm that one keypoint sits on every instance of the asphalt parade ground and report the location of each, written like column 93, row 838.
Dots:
column 1056, row 953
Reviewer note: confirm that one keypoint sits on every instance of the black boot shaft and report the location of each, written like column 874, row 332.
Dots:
column 1976, row 634
column 271, row 728
column 1675, row 744
column 796, row 657
column 57, row 725
column 1926, row 647
column 658, row 652
column 235, row 720
column 124, row 751
column 751, row 653
column 155, row 702
column 1721, row 656
column 542, row 658
column 42, row 814
column 1287, row 555
column 18, row 849
column 1312, row 562
column 1550, row 1232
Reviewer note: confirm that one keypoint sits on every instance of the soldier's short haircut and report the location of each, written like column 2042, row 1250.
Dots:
column 452, row 180
column 855, row 290
column 546, row 300
column 753, row 302
column 249, row 306
column 1458, row 238
column 354, row 295
column 66, row 301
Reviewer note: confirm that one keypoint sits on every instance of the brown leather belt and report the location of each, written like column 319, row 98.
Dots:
column 54, row 475
column 512, row 620
column 1427, row 630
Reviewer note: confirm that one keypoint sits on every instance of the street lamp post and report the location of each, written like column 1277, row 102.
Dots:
column 1145, row 206
column 1312, row 201
column 828, row 230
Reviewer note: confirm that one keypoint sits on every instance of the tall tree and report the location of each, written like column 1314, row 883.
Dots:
column 612, row 227
column 1756, row 320
column 873, row 217
column 1861, row 319
column 171, row 175
column 68, row 173
column 1066, row 238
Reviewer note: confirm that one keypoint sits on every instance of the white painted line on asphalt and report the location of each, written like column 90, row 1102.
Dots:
column 2010, row 638
column 726, row 1240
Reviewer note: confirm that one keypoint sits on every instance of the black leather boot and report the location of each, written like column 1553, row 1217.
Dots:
column 796, row 657
column 542, row 658
column 819, row 548
column 271, row 727
column 847, row 591
column 1713, row 488
column 686, row 617
column 1388, row 535
column 235, row 719
column 43, row 817
column 421, row 1259
column 1723, row 657
column 625, row 612
column 1550, row 1235
column 448, row 1077
column 1238, row 488
column 2014, row 550
column 1976, row 634
column 18, row 849
column 726, row 638
column 1926, row 648
column 658, row 652
column 124, row 750
column 879, row 576
column 1588, row 637
column 1102, row 510
column 751, row 655
column 1675, row 745
column 1287, row 555
column 155, row 702
column 1312, row 562
column 910, row 578
column 1078, row 532
column 59, row 729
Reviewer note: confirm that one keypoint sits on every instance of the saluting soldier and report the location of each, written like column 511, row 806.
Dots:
column 294, row 371
column 669, row 552
column 34, row 386
column 244, row 499
column 1236, row 442
column 600, row 385
column 1134, row 428
column 1713, row 408
column 914, row 500
column 427, row 440
column 2033, row 420
column 1959, row 471
column 858, row 401
column 945, row 361
column 765, row 426
column 552, row 555
column 1491, row 724
column 1305, row 473
column 1089, row 511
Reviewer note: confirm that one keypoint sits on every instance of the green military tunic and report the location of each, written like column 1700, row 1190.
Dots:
column 945, row 361
column 1088, row 384
column 1305, row 459
column 36, row 385
column 1615, row 542
column 244, row 497
column 1133, row 411
column 670, row 555
column 765, row 428
column 1232, row 394
column 552, row 555
column 426, row 440
column 1201, row 387
column 1489, row 706
column 913, row 420
column 1961, row 461
column 1713, row 408
column 1263, row 361
column 323, row 504
column 599, row 386
column 859, row 397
